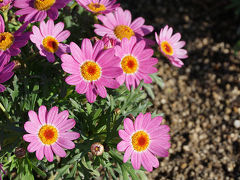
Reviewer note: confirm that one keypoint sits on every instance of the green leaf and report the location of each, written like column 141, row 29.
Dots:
column 36, row 169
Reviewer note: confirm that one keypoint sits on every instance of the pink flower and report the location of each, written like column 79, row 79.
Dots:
column 99, row 6
column 143, row 140
column 49, row 132
column 5, row 4
column 10, row 43
column 48, row 37
column 5, row 71
column 37, row 10
column 109, row 42
column 119, row 25
column 170, row 46
column 91, row 68
column 136, row 62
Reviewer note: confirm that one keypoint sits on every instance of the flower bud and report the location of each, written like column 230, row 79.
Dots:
column 20, row 152
column 109, row 42
column 97, row 149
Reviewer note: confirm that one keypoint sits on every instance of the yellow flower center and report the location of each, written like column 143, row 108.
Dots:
column 91, row 71
column 167, row 48
column 6, row 40
column 50, row 44
column 43, row 4
column 140, row 141
column 96, row 7
column 122, row 31
column 129, row 64
column 48, row 134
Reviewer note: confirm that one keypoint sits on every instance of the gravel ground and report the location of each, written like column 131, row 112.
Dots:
column 201, row 101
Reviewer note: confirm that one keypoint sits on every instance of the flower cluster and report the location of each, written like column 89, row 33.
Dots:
column 123, row 54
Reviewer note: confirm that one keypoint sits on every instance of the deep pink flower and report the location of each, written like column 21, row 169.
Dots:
column 49, row 132
column 136, row 62
column 38, row 10
column 91, row 68
column 119, row 25
column 5, row 4
column 5, row 71
column 99, row 6
column 170, row 46
column 143, row 140
column 48, row 37
column 10, row 43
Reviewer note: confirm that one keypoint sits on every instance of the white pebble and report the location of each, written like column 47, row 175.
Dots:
column 237, row 123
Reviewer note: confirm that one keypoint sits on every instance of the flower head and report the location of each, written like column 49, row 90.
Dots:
column 5, row 5
column 10, row 43
column 136, row 62
column 48, row 39
column 99, row 6
column 143, row 140
column 5, row 72
column 119, row 25
column 38, row 10
column 97, row 149
column 92, row 69
column 170, row 46
column 49, row 132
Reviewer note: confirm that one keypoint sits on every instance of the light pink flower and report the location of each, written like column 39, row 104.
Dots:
column 48, row 37
column 49, row 132
column 92, row 69
column 136, row 62
column 143, row 140
column 119, row 25
column 99, row 6
column 38, row 10
column 170, row 46
column 10, row 43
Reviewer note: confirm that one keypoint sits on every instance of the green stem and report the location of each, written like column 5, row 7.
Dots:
column 6, row 113
column 5, row 16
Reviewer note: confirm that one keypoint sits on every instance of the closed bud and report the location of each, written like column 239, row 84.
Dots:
column 97, row 149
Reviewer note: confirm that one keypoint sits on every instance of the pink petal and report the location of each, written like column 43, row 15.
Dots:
column 136, row 160
column 58, row 150
column 31, row 127
column 87, row 48
column 52, row 114
column 48, row 153
column 42, row 114
column 101, row 90
column 122, row 146
column 53, row 13
column 73, row 79
column 91, row 95
column 82, row 87
column 66, row 125
column 61, row 117
column 63, row 35
column 127, row 154
column 125, row 136
column 40, row 153
column 70, row 135
column 157, row 149
column 138, row 122
column 128, row 126
column 57, row 29
column 65, row 143
column 76, row 52
column 30, row 137
column 33, row 146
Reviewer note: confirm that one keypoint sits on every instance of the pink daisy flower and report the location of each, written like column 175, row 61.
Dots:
column 99, row 6
column 10, row 43
column 170, row 46
column 143, row 140
column 38, row 10
column 5, row 4
column 136, row 62
column 49, row 132
column 5, row 71
column 91, row 68
column 119, row 25
column 48, row 37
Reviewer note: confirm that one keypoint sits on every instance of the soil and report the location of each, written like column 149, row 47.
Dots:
column 201, row 100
